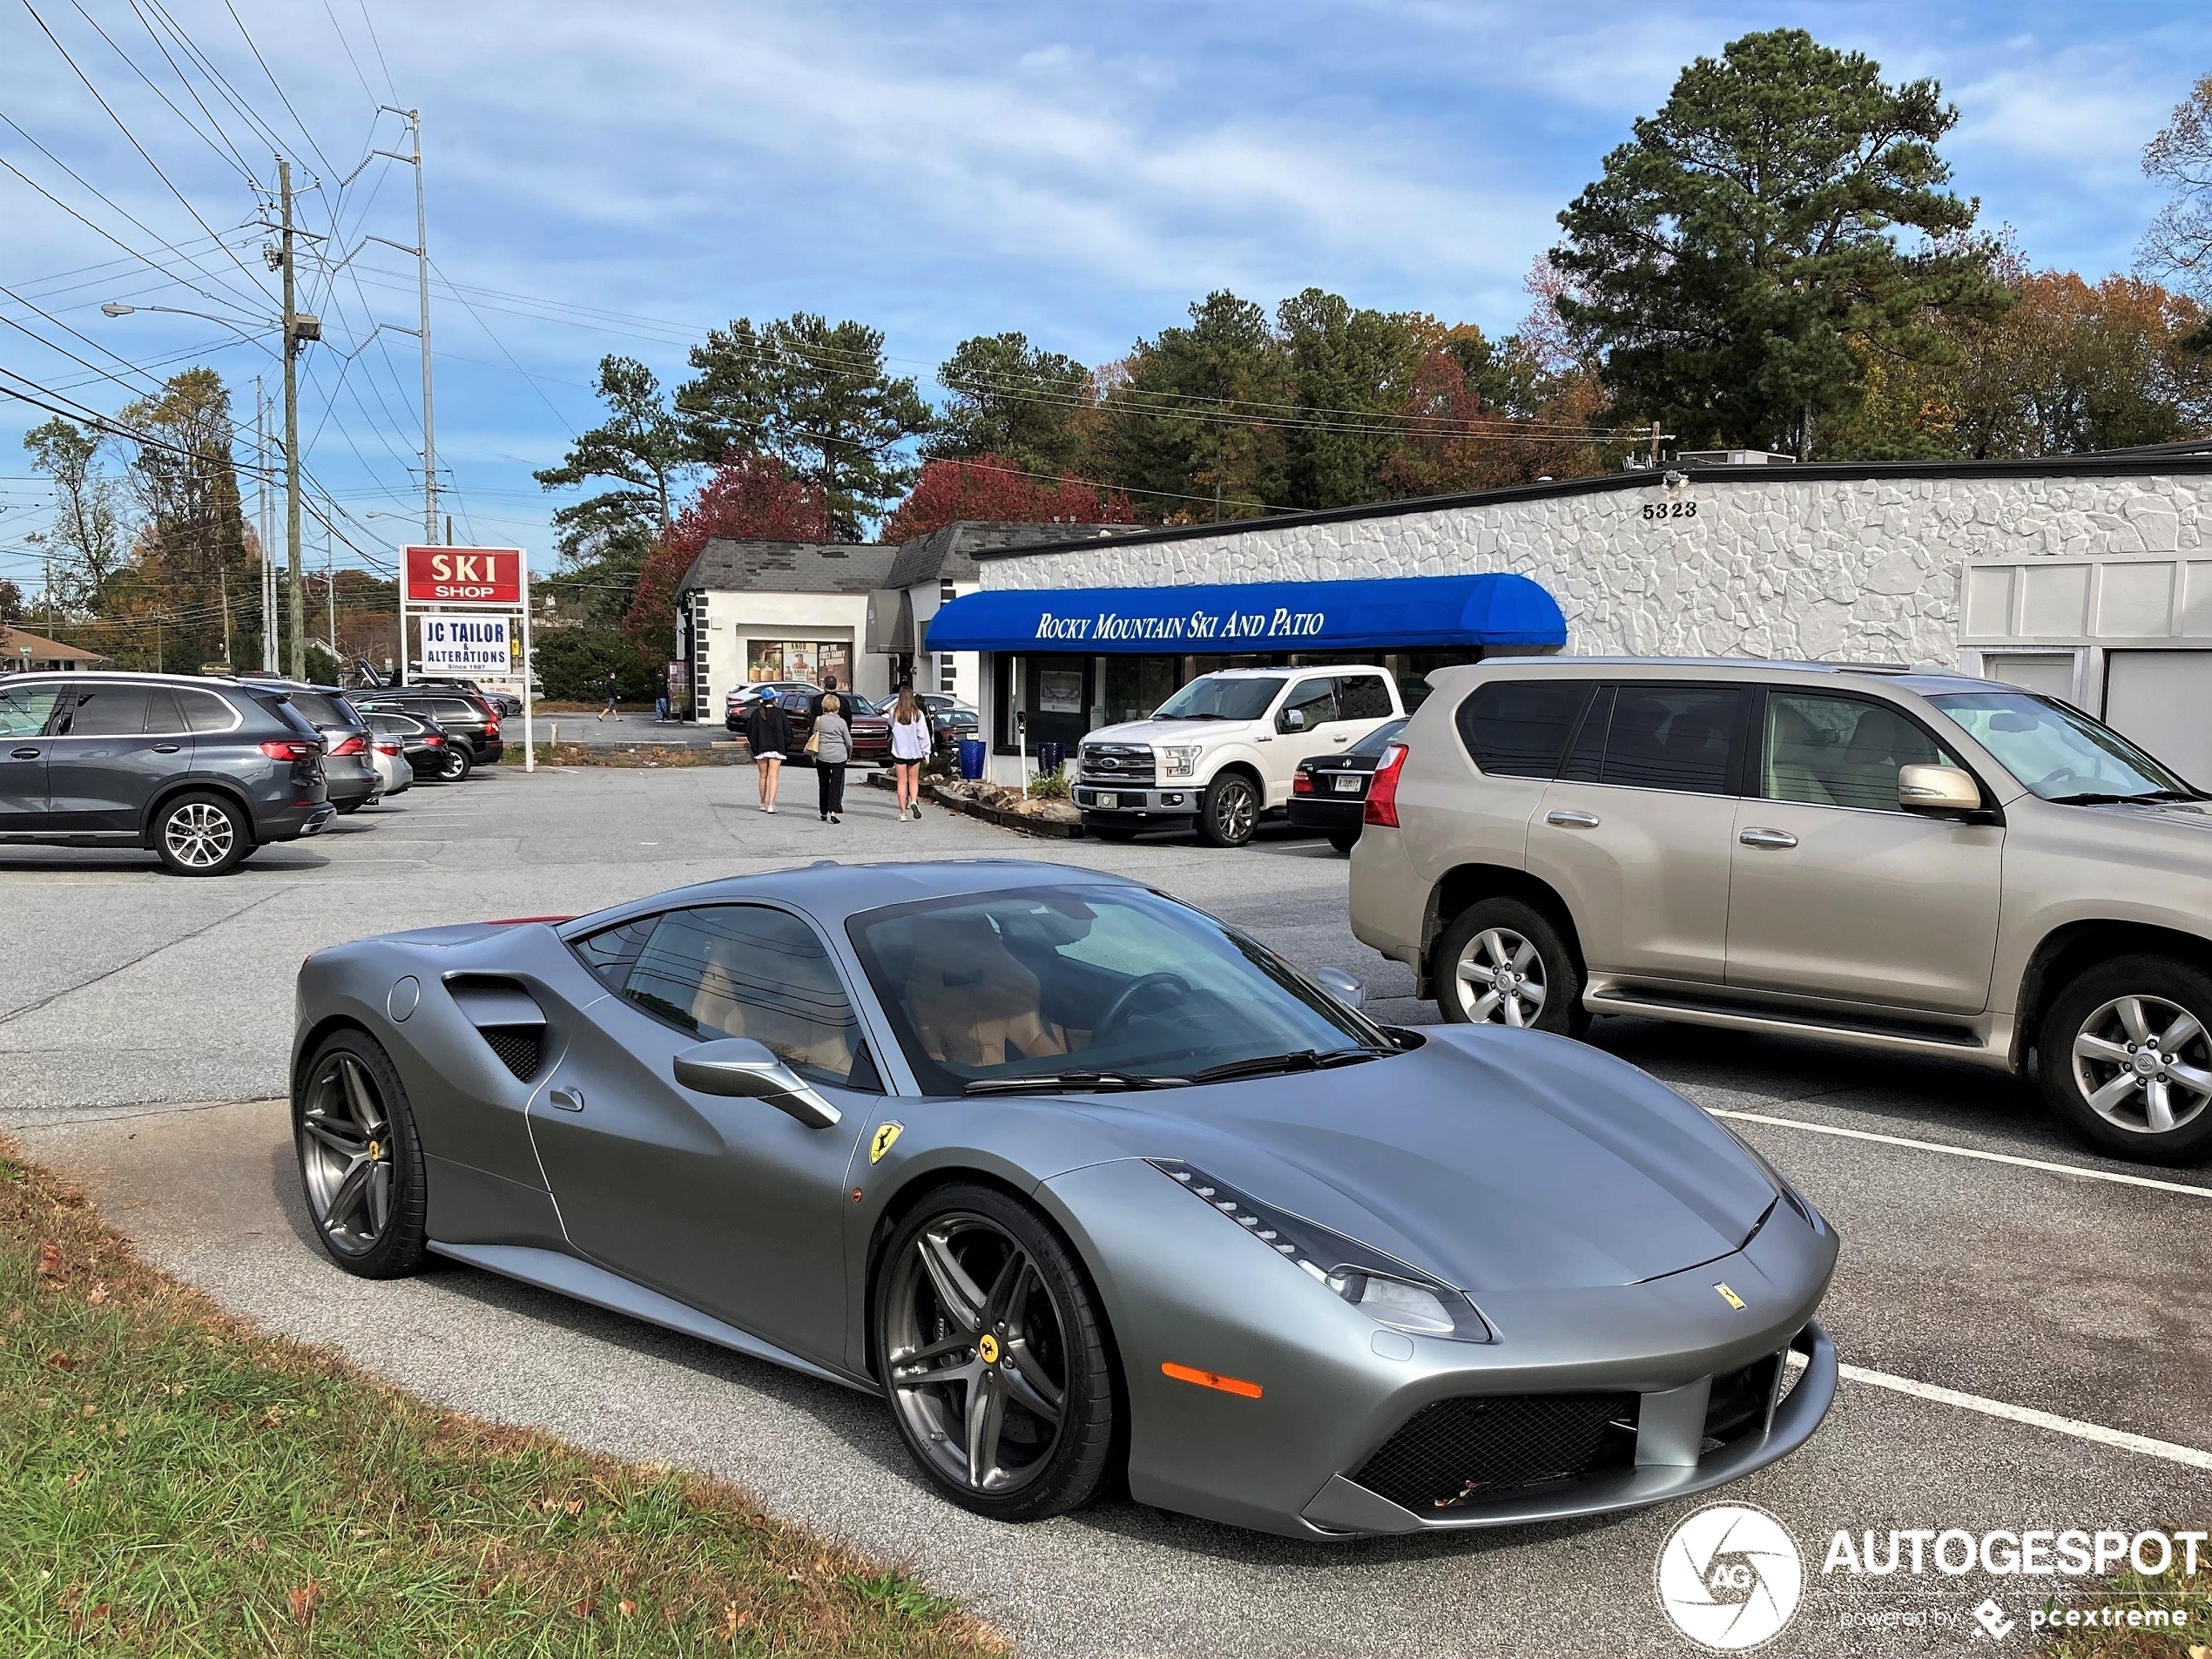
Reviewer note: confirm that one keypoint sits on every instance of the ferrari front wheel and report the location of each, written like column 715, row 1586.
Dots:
column 360, row 1161
column 994, row 1355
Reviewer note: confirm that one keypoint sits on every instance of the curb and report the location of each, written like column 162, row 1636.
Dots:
column 1044, row 829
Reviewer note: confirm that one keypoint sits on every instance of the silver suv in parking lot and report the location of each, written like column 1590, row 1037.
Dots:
column 1914, row 861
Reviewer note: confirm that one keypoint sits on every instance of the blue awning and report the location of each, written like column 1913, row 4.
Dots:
column 1385, row 613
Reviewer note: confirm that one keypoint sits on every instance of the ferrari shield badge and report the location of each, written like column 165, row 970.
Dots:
column 884, row 1137
column 1726, row 1295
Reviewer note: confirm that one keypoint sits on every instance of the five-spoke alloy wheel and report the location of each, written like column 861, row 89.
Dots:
column 2127, row 1058
column 1502, row 963
column 994, row 1355
column 359, row 1159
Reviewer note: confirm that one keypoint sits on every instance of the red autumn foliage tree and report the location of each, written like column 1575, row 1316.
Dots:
column 750, row 498
column 988, row 489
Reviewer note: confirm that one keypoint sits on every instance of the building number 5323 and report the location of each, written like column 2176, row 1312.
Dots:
column 1670, row 509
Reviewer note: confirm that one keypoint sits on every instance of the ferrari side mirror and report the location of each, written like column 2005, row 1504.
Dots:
column 742, row 1069
column 1342, row 984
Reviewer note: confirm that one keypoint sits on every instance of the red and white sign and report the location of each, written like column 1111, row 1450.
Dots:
column 462, row 575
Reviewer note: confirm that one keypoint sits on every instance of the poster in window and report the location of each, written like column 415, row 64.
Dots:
column 1060, row 691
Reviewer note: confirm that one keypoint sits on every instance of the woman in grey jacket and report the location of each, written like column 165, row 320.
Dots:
column 833, row 748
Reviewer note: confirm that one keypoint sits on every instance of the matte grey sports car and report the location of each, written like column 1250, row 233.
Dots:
column 1083, row 1181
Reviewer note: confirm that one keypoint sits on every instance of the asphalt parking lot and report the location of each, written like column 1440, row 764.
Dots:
column 144, row 1027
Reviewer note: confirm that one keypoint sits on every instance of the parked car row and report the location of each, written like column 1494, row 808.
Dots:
column 204, row 770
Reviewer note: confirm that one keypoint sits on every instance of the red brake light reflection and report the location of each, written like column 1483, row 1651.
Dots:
column 1382, row 793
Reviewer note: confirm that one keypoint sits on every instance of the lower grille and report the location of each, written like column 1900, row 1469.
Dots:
column 1463, row 1450
column 520, row 1047
column 1739, row 1400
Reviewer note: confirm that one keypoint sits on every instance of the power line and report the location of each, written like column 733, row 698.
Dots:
column 225, row 151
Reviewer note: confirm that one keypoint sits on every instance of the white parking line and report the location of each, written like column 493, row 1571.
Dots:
column 1966, row 1152
column 2188, row 1455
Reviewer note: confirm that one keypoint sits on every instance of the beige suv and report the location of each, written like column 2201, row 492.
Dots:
column 1912, row 861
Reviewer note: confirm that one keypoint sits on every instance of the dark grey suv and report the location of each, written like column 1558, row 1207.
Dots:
column 201, row 771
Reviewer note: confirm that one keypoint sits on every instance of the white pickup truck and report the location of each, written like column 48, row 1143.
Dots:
column 1224, row 749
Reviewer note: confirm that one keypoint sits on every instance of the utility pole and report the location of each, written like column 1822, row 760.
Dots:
column 330, row 584
column 1655, row 444
column 298, row 605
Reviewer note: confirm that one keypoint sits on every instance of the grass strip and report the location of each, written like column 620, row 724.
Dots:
column 2163, row 1594
column 174, row 1482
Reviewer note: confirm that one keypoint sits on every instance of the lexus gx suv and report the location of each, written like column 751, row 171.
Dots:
column 1913, row 861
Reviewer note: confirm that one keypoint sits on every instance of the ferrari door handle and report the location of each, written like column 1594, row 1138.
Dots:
column 22, row 754
column 1767, row 838
column 1572, row 820
column 569, row 1100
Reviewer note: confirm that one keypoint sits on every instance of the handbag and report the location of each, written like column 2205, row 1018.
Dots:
column 814, row 741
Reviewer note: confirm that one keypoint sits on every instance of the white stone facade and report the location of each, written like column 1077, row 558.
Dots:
column 1763, row 564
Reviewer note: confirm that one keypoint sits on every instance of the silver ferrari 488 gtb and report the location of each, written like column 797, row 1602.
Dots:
column 1084, row 1183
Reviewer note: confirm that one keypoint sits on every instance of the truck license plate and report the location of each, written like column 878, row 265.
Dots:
column 1347, row 783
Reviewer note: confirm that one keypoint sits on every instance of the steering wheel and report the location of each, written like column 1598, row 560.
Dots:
column 1127, row 1000
column 2063, row 775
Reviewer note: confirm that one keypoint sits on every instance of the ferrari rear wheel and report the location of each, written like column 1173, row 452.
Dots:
column 994, row 1355
column 360, row 1161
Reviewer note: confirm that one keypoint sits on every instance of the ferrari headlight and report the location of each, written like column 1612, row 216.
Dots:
column 1179, row 759
column 1388, row 1291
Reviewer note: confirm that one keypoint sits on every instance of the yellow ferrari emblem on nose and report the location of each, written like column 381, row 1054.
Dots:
column 881, row 1144
column 1730, row 1298
column 988, row 1349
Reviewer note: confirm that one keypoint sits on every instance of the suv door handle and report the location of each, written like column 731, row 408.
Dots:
column 167, row 748
column 1767, row 838
column 569, row 1100
column 22, row 754
column 1572, row 820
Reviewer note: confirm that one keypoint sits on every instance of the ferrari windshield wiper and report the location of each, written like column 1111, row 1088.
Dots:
column 1080, row 1081
column 1302, row 1060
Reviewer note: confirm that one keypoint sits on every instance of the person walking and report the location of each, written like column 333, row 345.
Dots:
column 832, row 742
column 767, row 733
column 660, row 696
column 829, row 685
column 909, row 748
column 613, row 708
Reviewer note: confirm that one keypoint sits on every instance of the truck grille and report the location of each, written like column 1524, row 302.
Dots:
column 1455, row 1452
column 1115, row 763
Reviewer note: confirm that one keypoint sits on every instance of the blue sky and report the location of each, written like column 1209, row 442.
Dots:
column 617, row 179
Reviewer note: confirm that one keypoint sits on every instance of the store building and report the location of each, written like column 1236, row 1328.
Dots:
column 2089, row 577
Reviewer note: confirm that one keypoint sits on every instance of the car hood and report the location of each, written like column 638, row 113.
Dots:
column 1158, row 731
column 1495, row 1159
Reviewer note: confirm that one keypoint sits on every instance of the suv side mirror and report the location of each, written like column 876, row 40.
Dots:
column 1342, row 984
column 1293, row 719
column 743, row 1069
column 1941, row 791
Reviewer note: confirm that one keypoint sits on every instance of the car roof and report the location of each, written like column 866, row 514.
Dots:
column 70, row 677
column 830, row 891
column 1276, row 673
column 1925, row 678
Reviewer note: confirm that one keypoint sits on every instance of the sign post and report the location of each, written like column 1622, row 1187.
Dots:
column 470, row 579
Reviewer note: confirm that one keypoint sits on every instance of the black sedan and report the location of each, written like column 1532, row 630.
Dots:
column 423, row 744
column 1329, row 793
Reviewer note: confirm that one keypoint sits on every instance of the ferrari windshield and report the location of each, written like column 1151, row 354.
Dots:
column 2058, row 754
column 1222, row 696
column 1094, row 982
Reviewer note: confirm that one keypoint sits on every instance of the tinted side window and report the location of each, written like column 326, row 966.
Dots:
column 1517, row 728
column 1315, row 702
column 453, row 710
column 320, row 709
column 747, row 971
column 108, row 711
column 1839, row 751
column 612, row 952
column 1585, row 762
column 1674, row 737
column 162, row 715
column 25, row 709
column 204, row 712
column 1363, row 697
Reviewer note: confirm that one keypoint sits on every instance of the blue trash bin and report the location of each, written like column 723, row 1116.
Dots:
column 1049, row 757
column 971, row 756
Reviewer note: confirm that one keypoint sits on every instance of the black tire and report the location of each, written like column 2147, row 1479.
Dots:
column 201, row 832
column 1344, row 839
column 459, row 764
column 2090, row 1038
column 1229, row 811
column 1069, row 1348
column 351, row 1113
column 1548, row 967
column 1109, row 831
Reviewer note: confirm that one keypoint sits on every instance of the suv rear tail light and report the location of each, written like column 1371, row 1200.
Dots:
column 353, row 745
column 291, row 749
column 385, row 748
column 1301, row 782
column 1382, row 794
column 436, row 740
column 491, row 728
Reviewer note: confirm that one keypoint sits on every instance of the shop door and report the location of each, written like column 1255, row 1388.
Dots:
column 2162, row 699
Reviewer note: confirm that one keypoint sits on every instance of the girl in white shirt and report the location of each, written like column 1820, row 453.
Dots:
column 909, row 748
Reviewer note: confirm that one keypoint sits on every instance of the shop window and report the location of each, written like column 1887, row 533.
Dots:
column 805, row 660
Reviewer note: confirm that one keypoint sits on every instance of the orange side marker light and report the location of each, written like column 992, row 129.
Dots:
column 1211, row 1380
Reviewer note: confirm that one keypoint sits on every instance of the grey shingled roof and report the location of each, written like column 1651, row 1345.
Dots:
column 949, row 554
column 789, row 567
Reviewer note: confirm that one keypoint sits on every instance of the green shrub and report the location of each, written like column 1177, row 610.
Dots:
column 573, row 664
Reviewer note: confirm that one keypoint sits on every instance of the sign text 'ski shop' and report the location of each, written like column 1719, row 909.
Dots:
column 464, row 575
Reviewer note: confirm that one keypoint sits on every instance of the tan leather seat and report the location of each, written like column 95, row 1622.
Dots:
column 972, row 1001
column 793, row 1004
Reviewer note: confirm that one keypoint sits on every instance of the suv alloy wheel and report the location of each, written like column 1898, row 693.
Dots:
column 459, row 762
column 202, row 834
column 1229, row 811
column 2126, row 1056
column 1502, row 963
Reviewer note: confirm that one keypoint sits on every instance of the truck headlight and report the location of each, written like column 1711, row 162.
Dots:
column 1179, row 760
